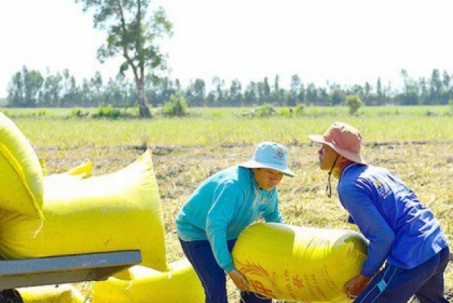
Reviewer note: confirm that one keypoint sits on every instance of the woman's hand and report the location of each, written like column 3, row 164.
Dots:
column 356, row 285
column 239, row 280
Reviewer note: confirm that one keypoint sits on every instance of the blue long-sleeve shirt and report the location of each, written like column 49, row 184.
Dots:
column 222, row 207
column 399, row 228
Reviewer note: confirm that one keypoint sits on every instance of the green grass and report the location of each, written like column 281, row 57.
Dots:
column 224, row 126
column 225, row 130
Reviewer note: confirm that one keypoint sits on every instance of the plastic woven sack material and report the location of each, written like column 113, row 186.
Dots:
column 111, row 212
column 78, row 172
column 144, row 285
column 21, row 175
column 65, row 293
column 299, row 263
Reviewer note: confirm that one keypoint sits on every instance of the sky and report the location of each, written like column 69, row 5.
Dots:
column 345, row 42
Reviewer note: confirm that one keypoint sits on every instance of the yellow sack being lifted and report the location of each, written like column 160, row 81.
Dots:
column 299, row 263
column 146, row 285
column 21, row 176
column 116, row 211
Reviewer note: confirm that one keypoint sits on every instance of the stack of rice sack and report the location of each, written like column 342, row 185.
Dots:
column 70, row 213
column 21, row 176
column 58, row 215
column 144, row 285
column 65, row 293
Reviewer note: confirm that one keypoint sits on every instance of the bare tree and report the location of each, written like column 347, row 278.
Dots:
column 130, row 35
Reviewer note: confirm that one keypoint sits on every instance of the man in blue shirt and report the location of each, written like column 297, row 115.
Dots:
column 403, row 234
column 221, row 208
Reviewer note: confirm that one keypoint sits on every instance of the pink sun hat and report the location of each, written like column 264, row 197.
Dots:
column 344, row 139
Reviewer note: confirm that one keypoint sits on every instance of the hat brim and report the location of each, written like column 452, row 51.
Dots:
column 354, row 157
column 255, row 164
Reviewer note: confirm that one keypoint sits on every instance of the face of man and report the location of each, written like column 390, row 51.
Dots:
column 267, row 178
column 327, row 156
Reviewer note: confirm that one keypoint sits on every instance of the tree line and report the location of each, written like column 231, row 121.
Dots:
column 30, row 88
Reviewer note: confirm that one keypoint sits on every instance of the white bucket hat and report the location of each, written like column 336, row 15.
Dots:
column 270, row 155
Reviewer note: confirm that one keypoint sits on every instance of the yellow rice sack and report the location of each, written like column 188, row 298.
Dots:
column 116, row 211
column 65, row 293
column 21, row 176
column 80, row 171
column 179, row 285
column 299, row 263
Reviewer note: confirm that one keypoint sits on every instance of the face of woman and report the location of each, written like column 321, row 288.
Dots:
column 267, row 178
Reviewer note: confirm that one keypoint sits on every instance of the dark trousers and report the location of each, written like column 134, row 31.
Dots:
column 10, row 296
column 212, row 276
column 397, row 285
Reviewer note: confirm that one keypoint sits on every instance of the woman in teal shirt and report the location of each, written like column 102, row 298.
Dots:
column 221, row 208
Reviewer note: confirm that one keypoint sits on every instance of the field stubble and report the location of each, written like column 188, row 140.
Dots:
column 427, row 167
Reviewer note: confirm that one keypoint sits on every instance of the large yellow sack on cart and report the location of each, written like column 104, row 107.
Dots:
column 81, row 171
column 65, row 293
column 116, row 211
column 21, row 176
column 144, row 285
column 299, row 263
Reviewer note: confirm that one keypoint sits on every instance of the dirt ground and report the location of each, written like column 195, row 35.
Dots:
column 426, row 166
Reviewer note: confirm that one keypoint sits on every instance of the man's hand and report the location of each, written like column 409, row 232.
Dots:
column 239, row 280
column 356, row 285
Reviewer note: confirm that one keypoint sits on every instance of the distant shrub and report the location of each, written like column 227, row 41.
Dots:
column 285, row 111
column 78, row 113
column 354, row 103
column 299, row 110
column 177, row 106
column 41, row 113
column 262, row 111
column 265, row 111
column 107, row 112
column 431, row 113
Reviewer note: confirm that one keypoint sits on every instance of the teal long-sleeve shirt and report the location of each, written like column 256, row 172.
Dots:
column 222, row 207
